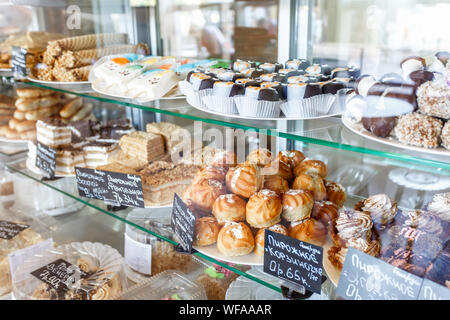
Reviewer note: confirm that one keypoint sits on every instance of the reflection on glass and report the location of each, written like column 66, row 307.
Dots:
column 220, row 29
column 377, row 35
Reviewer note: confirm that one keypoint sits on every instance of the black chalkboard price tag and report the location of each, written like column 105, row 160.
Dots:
column 293, row 260
column 111, row 187
column 364, row 277
column 19, row 61
column 60, row 275
column 183, row 223
column 433, row 291
column 9, row 230
column 46, row 159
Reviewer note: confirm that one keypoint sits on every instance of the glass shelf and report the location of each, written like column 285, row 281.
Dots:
column 20, row 168
column 327, row 132
column 66, row 187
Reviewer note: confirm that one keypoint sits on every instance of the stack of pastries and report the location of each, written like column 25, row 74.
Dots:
column 287, row 193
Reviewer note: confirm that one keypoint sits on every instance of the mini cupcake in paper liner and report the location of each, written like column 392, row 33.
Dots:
column 315, row 106
column 195, row 98
column 249, row 107
column 259, row 102
column 225, row 105
column 185, row 87
column 221, row 100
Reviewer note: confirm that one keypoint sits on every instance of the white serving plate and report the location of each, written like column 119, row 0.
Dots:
column 238, row 116
column 79, row 86
column 13, row 141
column 359, row 130
column 97, row 88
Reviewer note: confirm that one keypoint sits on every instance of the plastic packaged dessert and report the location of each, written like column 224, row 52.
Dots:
column 17, row 231
column 7, row 196
column 167, row 285
column 215, row 278
column 74, row 271
column 145, row 254
column 139, row 77
column 408, row 110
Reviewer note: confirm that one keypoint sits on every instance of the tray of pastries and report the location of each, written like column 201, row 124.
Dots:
column 78, row 143
column 68, row 61
column 139, row 77
column 20, row 115
column 97, row 271
column 413, row 240
column 409, row 111
column 34, row 42
column 235, row 203
column 294, row 90
column 149, row 154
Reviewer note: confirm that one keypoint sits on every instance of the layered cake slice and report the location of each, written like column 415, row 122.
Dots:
column 53, row 133
column 172, row 134
column 144, row 146
column 113, row 130
column 161, row 180
column 83, row 131
column 98, row 153
column 67, row 159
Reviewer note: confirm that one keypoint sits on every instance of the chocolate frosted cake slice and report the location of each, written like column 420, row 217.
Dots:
column 113, row 130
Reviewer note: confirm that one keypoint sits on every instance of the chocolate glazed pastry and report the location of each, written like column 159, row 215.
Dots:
column 268, row 94
column 332, row 87
column 381, row 127
column 392, row 79
column 421, row 76
column 312, row 89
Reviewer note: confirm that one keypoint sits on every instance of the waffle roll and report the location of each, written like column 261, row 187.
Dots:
column 70, row 59
column 91, row 41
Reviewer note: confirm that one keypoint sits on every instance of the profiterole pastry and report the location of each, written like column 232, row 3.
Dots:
column 229, row 208
column 276, row 183
column 311, row 183
column 279, row 167
column 204, row 192
column 311, row 167
column 244, row 180
column 260, row 157
column 263, row 209
column 309, row 230
column 260, row 235
column 326, row 212
column 206, row 231
column 210, row 172
column 293, row 157
column 335, row 193
column 297, row 205
column 235, row 239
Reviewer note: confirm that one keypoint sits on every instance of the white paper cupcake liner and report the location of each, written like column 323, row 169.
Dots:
column 195, row 98
column 220, row 104
column 311, row 107
column 249, row 107
column 185, row 87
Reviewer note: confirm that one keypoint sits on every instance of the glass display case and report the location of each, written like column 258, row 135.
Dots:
column 350, row 102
